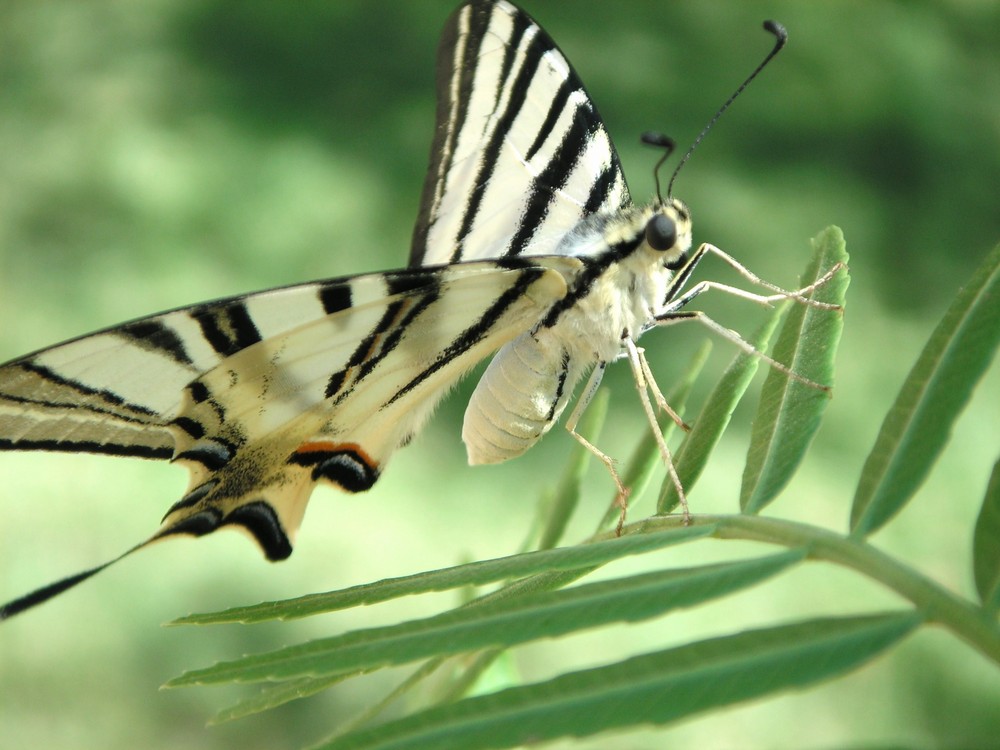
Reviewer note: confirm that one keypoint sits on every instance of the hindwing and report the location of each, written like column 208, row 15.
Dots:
column 262, row 396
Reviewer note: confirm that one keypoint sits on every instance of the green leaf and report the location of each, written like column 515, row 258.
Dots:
column 789, row 411
column 693, row 453
column 986, row 545
column 503, row 623
column 655, row 688
column 470, row 574
column 920, row 421
column 408, row 686
column 277, row 695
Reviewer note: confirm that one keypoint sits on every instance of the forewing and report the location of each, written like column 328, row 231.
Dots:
column 520, row 154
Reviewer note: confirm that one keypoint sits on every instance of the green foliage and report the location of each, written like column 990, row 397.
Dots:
column 501, row 621
column 658, row 687
column 986, row 545
column 581, row 557
column 714, row 418
column 939, row 385
column 533, row 600
column 789, row 412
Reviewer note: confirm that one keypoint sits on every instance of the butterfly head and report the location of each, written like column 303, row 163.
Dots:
column 667, row 232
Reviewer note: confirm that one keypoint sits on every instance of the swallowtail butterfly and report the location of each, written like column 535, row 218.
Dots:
column 527, row 244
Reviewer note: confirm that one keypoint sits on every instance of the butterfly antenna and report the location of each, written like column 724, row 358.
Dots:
column 781, row 35
column 659, row 140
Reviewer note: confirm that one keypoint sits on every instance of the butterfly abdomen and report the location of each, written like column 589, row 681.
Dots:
column 520, row 396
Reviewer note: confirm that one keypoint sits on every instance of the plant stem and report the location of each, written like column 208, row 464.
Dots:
column 938, row 605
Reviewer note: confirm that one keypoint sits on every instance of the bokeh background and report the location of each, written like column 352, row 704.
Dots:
column 161, row 153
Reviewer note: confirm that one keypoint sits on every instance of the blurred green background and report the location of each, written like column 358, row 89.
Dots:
column 161, row 153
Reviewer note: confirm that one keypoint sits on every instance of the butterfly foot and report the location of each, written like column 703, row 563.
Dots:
column 685, row 513
column 621, row 500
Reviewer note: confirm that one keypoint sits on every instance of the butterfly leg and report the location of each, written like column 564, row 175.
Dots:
column 799, row 295
column 654, row 388
column 645, row 383
column 673, row 313
column 677, row 298
column 670, row 318
column 621, row 498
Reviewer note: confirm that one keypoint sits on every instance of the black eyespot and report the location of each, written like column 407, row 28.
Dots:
column 661, row 232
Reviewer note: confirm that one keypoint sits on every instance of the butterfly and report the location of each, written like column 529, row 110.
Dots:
column 527, row 245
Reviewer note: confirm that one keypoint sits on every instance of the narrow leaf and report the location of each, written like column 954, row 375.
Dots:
column 986, row 545
column 919, row 423
column 697, row 445
column 277, row 695
column 789, row 411
column 470, row 574
column 513, row 621
column 407, row 686
column 655, row 688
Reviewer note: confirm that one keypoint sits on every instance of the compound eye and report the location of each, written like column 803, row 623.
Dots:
column 661, row 233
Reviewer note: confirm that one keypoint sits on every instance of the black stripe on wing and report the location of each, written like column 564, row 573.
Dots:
column 141, row 415
column 228, row 328
column 50, row 377
column 455, row 69
column 155, row 334
column 108, row 448
column 117, row 391
column 40, row 409
column 417, row 291
column 554, row 177
column 335, row 297
column 257, row 517
column 491, row 150
column 479, row 329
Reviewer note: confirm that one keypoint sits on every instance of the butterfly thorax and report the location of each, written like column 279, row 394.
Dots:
column 624, row 280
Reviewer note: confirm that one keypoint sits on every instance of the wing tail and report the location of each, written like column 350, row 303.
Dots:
column 270, row 517
column 43, row 594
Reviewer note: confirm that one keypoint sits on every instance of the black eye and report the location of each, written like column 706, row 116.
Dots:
column 661, row 233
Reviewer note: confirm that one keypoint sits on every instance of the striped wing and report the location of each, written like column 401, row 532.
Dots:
column 520, row 154
column 263, row 396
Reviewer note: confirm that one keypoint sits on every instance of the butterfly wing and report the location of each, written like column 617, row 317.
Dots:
column 520, row 154
column 262, row 396
column 265, row 395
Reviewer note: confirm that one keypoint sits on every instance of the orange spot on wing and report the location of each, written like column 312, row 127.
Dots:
column 328, row 446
